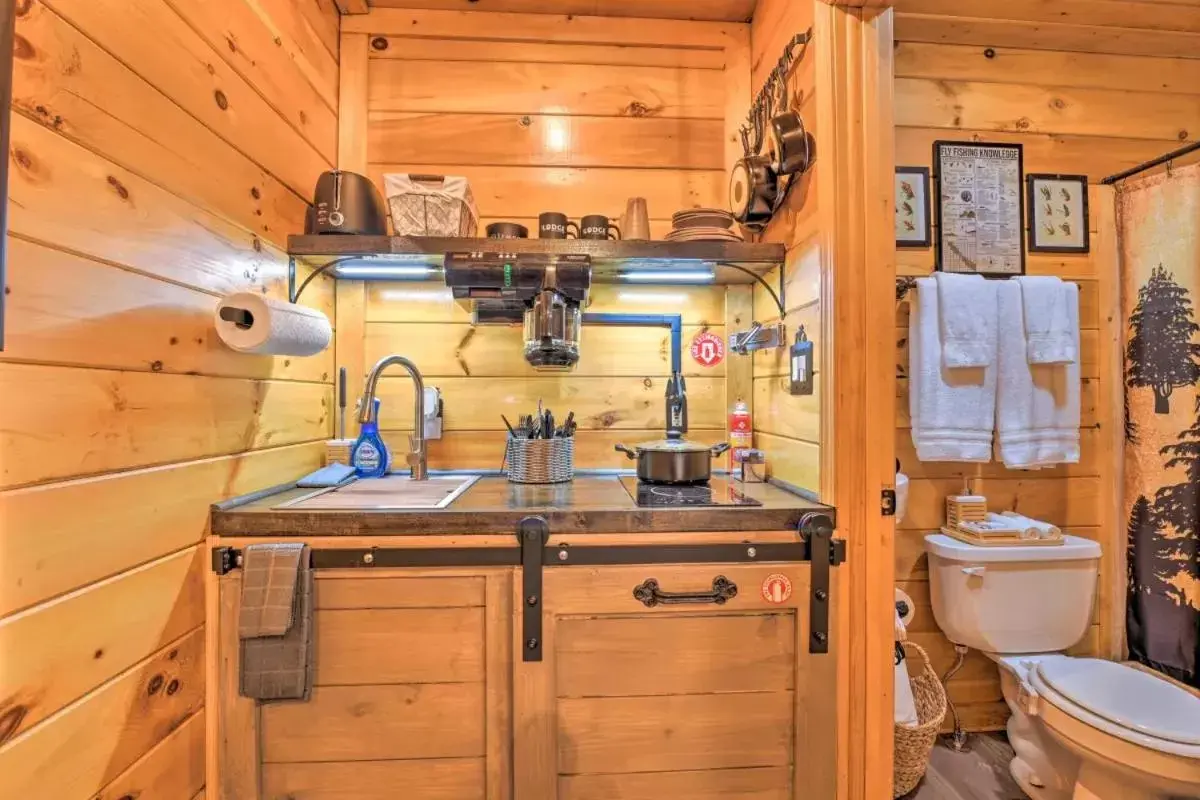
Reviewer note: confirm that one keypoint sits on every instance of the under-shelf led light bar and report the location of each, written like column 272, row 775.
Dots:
column 668, row 276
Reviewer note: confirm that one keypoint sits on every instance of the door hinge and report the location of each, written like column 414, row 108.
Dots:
column 225, row 560
column 887, row 502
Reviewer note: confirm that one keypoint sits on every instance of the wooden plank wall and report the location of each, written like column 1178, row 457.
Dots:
column 789, row 427
column 161, row 151
column 548, row 113
column 1087, row 88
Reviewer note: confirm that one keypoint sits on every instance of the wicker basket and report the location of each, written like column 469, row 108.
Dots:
column 540, row 460
column 914, row 744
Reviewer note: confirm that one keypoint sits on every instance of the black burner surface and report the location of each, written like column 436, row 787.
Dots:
column 718, row 493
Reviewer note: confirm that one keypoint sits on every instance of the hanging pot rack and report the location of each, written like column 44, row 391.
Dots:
column 773, row 94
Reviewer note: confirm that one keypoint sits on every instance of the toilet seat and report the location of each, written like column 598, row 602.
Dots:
column 1123, row 702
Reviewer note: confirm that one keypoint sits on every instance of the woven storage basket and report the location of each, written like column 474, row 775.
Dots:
column 913, row 745
column 540, row 460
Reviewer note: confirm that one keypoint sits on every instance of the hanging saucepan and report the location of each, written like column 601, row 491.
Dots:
column 676, row 461
column 753, row 191
column 790, row 144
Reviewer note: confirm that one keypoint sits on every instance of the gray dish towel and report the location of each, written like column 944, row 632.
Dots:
column 275, row 627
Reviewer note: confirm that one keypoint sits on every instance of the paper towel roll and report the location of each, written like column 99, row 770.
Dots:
column 251, row 323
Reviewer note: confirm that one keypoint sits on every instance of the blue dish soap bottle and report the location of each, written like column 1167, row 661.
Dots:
column 369, row 456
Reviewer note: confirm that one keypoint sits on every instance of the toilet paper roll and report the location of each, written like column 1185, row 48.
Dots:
column 910, row 608
column 251, row 323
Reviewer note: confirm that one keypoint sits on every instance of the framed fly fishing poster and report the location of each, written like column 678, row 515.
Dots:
column 1058, row 213
column 980, row 205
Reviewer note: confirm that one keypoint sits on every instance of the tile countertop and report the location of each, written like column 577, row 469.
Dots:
column 591, row 503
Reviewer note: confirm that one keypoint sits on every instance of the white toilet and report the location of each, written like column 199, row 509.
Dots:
column 1081, row 728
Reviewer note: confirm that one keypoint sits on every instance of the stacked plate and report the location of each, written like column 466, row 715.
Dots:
column 703, row 225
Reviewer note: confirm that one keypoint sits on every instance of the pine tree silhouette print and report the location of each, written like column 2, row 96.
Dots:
column 1160, row 354
column 1177, row 508
column 1168, row 565
column 1139, row 539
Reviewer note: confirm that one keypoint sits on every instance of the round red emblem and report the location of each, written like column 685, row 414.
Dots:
column 776, row 588
column 708, row 349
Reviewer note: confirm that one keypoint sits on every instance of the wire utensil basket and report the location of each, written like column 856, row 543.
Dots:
column 540, row 460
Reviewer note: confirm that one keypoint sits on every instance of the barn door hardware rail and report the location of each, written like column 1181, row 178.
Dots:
column 533, row 554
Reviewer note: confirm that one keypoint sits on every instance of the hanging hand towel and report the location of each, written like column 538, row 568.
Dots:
column 1048, row 335
column 967, row 305
column 1037, row 405
column 952, row 410
column 275, row 625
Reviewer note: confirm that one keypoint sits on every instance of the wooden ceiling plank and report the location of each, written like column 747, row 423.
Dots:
column 709, row 10
column 543, row 28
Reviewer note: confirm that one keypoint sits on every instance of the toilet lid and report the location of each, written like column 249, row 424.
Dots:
column 1126, row 697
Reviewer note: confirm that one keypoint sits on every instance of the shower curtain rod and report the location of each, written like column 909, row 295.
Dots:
column 1171, row 156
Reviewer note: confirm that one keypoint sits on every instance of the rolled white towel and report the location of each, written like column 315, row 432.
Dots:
column 1042, row 530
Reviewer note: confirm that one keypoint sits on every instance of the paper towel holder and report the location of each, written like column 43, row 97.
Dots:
column 238, row 316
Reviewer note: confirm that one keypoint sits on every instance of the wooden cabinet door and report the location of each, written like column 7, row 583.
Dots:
column 698, row 700
column 410, row 698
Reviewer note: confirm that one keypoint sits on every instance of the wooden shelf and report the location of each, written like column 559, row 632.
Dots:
column 609, row 258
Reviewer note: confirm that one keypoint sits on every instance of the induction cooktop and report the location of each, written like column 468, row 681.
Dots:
column 717, row 492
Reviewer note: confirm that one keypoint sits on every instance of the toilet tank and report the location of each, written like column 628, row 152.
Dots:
column 1010, row 600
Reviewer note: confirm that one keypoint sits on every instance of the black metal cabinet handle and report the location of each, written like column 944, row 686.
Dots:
column 649, row 594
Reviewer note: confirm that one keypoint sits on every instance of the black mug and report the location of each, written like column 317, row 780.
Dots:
column 507, row 230
column 597, row 226
column 555, row 225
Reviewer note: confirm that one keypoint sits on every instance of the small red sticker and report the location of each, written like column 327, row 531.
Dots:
column 776, row 588
column 708, row 349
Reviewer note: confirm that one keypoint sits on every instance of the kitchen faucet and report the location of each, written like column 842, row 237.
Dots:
column 417, row 457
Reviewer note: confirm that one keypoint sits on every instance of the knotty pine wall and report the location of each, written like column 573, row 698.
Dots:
column 161, row 152
column 788, row 427
column 1087, row 88
column 552, row 113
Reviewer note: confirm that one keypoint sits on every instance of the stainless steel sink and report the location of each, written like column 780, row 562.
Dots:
column 390, row 493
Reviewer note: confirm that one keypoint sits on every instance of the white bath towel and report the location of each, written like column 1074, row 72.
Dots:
column 1037, row 405
column 952, row 410
column 1048, row 334
column 967, row 305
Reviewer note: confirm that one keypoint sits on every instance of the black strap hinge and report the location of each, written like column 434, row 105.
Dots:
column 533, row 533
column 824, row 553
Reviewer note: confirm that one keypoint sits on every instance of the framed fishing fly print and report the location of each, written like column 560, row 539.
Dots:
column 913, row 223
column 1058, row 213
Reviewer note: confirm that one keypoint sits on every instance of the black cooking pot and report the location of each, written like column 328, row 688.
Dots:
column 675, row 461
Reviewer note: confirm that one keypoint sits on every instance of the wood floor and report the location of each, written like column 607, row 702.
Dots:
column 981, row 773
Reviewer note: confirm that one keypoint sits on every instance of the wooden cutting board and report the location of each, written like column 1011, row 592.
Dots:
column 394, row 491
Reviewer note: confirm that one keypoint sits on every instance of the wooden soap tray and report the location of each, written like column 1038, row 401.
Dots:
column 998, row 541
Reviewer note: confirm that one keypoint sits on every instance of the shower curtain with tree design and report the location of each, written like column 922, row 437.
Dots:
column 1159, row 218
